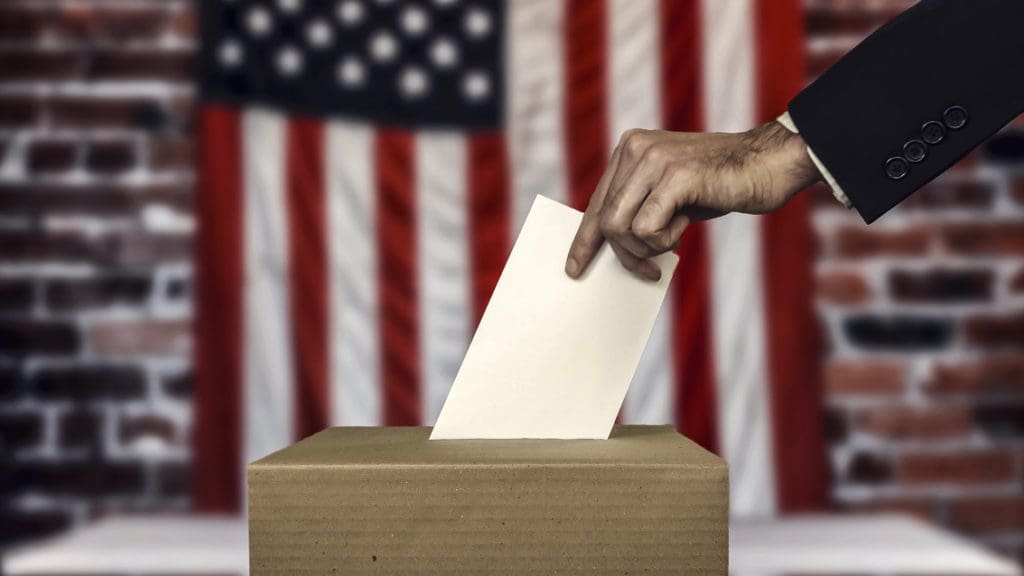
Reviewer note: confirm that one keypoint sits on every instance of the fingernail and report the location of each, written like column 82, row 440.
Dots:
column 572, row 267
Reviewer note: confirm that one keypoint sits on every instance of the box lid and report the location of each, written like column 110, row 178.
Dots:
column 410, row 446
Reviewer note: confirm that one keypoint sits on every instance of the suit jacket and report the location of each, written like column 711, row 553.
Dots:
column 915, row 97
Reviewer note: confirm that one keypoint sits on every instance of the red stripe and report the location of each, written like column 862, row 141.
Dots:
column 217, row 328
column 696, row 406
column 586, row 122
column 792, row 347
column 307, row 245
column 488, row 215
column 399, row 314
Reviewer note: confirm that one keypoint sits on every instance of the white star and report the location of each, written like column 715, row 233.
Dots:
column 476, row 85
column 351, row 12
column 289, row 61
column 289, row 6
column 319, row 33
column 415, row 20
column 444, row 53
column 230, row 53
column 351, row 72
column 383, row 46
column 413, row 82
column 258, row 21
column 477, row 22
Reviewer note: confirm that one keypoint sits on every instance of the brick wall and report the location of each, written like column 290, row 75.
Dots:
column 923, row 315
column 95, row 240
column 923, row 311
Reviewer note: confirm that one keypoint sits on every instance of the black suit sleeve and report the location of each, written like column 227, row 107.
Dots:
column 915, row 97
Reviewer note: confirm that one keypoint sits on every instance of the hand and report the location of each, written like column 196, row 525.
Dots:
column 657, row 182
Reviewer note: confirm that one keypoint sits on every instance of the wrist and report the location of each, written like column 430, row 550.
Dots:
column 782, row 157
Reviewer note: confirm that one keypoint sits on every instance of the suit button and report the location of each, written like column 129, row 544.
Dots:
column 915, row 151
column 896, row 168
column 933, row 132
column 955, row 117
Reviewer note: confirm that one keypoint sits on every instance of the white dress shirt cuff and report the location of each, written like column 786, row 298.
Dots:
column 787, row 121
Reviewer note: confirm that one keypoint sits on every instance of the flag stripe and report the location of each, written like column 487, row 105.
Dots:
column 736, row 275
column 800, row 467
column 354, row 299
column 218, row 319
column 586, row 104
column 399, row 276
column 634, row 102
column 307, row 242
column 269, row 374
column 695, row 408
column 489, row 222
column 443, row 259
column 536, row 88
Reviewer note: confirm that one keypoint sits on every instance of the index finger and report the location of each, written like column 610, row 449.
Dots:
column 588, row 238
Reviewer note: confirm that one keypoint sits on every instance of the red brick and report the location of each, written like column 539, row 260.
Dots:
column 80, row 478
column 864, row 377
column 52, row 156
column 960, row 468
column 1017, row 282
column 1018, row 190
column 12, row 383
column 134, row 428
column 1000, row 420
column 24, row 337
column 122, row 249
column 20, row 525
column 140, row 338
column 995, row 330
column 984, row 238
column 941, row 285
column 997, row 376
column 967, row 194
column 171, row 153
column 18, row 111
column 91, row 382
column 101, row 199
column 142, row 64
column 842, row 287
column 174, row 479
column 109, row 22
column 24, row 21
column 110, row 157
column 81, row 428
column 16, row 295
column 897, row 422
column 98, row 292
column 86, row 112
column 988, row 515
column 179, row 385
column 869, row 468
column 861, row 241
column 20, row 430
column 21, row 65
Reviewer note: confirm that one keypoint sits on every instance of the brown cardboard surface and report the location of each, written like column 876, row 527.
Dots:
column 390, row 501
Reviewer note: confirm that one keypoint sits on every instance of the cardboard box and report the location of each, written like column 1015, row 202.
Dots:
column 390, row 501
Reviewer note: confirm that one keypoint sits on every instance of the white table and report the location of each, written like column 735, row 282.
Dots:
column 821, row 545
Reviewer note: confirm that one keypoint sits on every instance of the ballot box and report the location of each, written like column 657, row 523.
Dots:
column 389, row 500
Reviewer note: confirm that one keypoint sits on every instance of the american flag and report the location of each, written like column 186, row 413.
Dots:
column 365, row 166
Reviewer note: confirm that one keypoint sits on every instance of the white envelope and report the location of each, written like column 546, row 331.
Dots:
column 553, row 356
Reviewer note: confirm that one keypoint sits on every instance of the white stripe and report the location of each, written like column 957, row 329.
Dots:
column 269, row 392
column 635, row 102
column 736, row 275
column 444, row 275
column 535, row 100
column 352, row 248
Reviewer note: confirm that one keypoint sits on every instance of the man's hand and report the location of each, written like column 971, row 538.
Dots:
column 657, row 182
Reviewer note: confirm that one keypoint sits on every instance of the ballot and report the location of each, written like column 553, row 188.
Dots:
column 553, row 356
